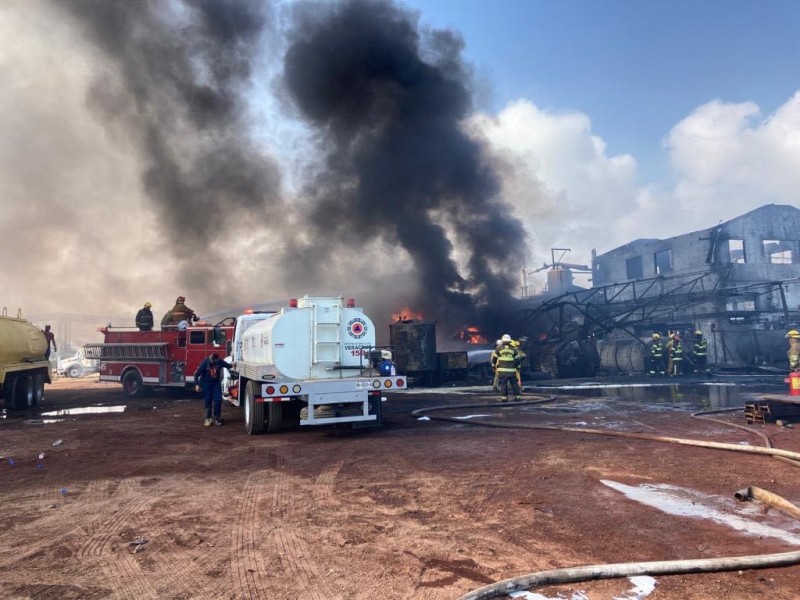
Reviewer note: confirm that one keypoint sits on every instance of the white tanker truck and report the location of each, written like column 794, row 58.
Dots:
column 313, row 363
column 23, row 368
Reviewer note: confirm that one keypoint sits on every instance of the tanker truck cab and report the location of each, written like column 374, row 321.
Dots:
column 311, row 363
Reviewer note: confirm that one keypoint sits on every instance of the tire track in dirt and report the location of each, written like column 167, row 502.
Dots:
column 323, row 485
column 124, row 574
column 274, row 498
column 66, row 515
column 177, row 575
column 247, row 563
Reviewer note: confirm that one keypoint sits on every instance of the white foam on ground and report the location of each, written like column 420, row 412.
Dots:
column 683, row 502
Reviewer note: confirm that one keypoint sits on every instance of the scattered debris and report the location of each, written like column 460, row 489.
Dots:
column 138, row 544
column 58, row 442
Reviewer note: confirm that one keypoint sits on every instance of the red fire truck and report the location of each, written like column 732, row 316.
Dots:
column 142, row 360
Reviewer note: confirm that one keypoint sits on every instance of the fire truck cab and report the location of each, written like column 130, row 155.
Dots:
column 143, row 360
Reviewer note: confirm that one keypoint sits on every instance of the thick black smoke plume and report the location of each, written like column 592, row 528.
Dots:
column 174, row 85
column 389, row 101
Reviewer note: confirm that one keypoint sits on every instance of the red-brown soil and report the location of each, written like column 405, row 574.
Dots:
column 418, row 509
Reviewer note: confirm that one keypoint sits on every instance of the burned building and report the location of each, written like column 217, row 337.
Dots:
column 738, row 282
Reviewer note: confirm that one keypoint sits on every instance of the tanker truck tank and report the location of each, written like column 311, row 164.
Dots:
column 315, row 341
column 23, row 368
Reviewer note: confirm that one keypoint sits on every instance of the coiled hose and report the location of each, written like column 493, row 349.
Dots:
column 670, row 567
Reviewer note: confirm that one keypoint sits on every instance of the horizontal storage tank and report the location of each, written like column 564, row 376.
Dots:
column 317, row 340
column 626, row 355
column 20, row 341
column 566, row 359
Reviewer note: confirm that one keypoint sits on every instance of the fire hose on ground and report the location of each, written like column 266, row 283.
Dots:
column 671, row 567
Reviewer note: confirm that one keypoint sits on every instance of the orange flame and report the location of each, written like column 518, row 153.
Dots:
column 472, row 335
column 407, row 314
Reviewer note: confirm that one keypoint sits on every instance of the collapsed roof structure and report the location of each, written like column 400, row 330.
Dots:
column 738, row 282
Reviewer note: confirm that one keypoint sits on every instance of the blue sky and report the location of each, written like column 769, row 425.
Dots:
column 635, row 68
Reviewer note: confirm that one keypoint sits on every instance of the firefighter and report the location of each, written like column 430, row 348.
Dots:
column 208, row 379
column 656, row 356
column 794, row 349
column 179, row 312
column 700, row 353
column 675, row 355
column 505, row 361
column 144, row 318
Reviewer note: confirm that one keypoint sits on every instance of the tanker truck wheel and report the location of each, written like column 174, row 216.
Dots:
column 38, row 389
column 274, row 416
column 24, row 395
column 254, row 418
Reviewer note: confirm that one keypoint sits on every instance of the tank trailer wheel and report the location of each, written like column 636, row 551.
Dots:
column 253, row 411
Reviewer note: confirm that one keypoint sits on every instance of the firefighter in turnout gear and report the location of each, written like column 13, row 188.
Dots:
column 700, row 353
column 180, row 312
column 794, row 349
column 675, row 356
column 506, row 362
column 144, row 318
column 657, row 357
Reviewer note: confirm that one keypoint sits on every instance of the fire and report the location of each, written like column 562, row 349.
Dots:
column 472, row 335
column 407, row 314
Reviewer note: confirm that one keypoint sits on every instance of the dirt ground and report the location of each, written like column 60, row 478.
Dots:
column 147, row 503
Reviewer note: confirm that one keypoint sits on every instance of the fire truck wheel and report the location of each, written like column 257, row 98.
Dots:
column 253, row 411
column 74, row 371
column 132, row 384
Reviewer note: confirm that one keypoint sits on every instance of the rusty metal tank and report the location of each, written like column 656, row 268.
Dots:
column 414, row 343
column 625, row 355
column 566, row 359
column 20, row 341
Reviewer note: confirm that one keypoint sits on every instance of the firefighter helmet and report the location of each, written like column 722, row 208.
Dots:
column 499, row 343
column 506, row 338
column 147, row 305
column 180, row 299
column 793, row 333
column 656, row 336
column 698, row 332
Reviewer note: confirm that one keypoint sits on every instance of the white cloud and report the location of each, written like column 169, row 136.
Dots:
column 558, row 177
column 727, row 159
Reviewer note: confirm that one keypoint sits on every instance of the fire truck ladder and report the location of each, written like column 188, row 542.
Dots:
column 156, row 351
column 326, row 330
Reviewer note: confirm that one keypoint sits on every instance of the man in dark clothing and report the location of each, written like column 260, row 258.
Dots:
column 208, row 378
column 51, row 340
column 144, row 318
